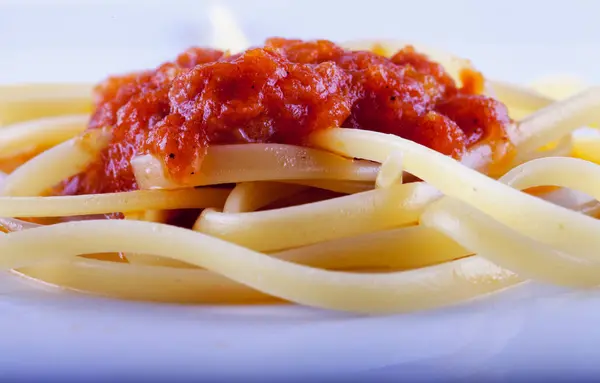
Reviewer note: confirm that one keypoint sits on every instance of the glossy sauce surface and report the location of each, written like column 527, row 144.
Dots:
column 280, row 93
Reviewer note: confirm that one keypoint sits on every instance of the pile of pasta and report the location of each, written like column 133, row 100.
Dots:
column 361, row 221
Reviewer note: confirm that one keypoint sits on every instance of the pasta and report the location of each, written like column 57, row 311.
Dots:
column 349, row 218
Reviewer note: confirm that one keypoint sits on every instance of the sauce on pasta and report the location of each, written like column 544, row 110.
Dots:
column 280, row 93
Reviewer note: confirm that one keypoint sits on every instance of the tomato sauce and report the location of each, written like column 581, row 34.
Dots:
column 280, row 93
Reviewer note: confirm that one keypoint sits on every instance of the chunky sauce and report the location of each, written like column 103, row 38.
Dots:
column 281, row 93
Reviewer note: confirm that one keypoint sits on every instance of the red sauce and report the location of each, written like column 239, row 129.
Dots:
column 280, row 93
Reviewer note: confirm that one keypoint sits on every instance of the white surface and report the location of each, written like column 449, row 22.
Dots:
column 43, row 40
column 528, row 333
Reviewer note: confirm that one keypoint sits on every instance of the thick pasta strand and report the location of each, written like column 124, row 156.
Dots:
column 251, row 196
column 508, row 248
column 522, row 99
column 559, row 226
column 134, row 201
column 391, row 171
column 339, row 186
column 587, row 148
column 145, row 282
column 557, row 120
column 564, row 147
column 442, row 284
column 51, row 167
column 257, row 162
column 575, row 173
column 398, row 249
column 320, row 221
column 25, row 137
column 30, row 101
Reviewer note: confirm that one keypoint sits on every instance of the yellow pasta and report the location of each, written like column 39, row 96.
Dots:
column 31, row 101
column 351, row 220
column 29, row 136
column 336, row 218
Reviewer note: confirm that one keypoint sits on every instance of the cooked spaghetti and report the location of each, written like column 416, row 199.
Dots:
column 370, row 177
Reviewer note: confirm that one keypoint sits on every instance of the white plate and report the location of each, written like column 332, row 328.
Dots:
column 531, row 331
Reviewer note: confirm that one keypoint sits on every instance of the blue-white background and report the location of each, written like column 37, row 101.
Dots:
column 515, row 39
column 531, row 333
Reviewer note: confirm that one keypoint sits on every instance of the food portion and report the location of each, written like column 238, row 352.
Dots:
column 368, row 177
column 281, row 93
